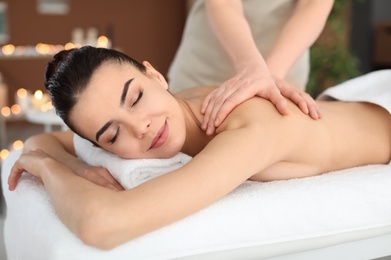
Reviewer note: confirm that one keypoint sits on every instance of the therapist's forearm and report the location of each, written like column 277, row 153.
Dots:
column 230, row 26
column 299, row 33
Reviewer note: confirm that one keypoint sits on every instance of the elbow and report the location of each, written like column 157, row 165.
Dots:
column 37, row 141
column 98, row 228
column 94, row 239
column 30, row 143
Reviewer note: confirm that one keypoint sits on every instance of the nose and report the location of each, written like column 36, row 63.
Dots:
column 139, row 126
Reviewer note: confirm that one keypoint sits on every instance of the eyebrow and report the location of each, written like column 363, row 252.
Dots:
column 103, row 129
column 125, row 91
column 121, row 103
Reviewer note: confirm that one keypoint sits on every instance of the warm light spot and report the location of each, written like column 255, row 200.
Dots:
column 17, row 145
column 38, row 94
column 6, row 111
column 16, row 109
column 102, row 41
column 42, row 48
column 49, row 105
column 44, row 107
column 8, row 49
column 4, row 154
column 69, row 46
column 22, row 93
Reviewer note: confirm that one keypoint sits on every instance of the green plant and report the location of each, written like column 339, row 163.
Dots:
column 331, row 59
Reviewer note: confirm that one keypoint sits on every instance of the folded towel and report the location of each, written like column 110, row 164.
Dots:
column 374, row 87
column 131, row 172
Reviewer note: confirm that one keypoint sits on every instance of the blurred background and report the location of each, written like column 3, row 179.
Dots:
column 31, row 31
column 356, row 40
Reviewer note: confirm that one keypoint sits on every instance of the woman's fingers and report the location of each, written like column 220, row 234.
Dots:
column 101, row 177
column 29, row 162
column 14, row 176
column 112, row 183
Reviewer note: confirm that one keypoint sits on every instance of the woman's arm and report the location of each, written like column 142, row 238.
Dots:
column 60, row 146
column 105, row 219
column 299, row 33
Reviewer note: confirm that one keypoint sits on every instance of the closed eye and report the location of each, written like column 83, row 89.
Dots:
column 140, row 95
column 112, row 141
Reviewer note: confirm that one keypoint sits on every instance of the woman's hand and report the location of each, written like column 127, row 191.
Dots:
column 220, row 102
column 100, row 176
column 32, row 162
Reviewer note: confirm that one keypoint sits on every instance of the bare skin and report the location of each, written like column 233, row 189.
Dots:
column 255, row 142
column 331, row 143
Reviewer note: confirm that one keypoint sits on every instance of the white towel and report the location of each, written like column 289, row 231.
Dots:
column 131, row 172
column 374, row 87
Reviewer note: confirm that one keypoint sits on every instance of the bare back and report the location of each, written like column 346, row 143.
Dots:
column 348, row 135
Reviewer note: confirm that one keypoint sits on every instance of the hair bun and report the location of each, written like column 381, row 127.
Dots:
column 54, row 64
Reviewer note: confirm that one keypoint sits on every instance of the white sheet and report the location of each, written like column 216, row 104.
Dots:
column 374, row 87
column 280, row 217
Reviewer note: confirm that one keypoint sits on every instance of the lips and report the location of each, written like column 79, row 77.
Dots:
column 161, row 137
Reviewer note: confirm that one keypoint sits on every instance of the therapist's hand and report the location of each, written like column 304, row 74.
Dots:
column 302, row 99
column 221, row 101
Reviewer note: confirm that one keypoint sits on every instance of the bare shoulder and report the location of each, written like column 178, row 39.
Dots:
column 193, row 98
column 194, row 92
column 255, row 111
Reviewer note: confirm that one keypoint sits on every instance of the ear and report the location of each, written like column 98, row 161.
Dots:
column 151, row 71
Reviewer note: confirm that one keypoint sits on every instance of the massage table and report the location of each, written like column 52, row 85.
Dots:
column 343, row 214
column 338, row 215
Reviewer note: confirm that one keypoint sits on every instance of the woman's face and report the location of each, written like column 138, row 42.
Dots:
column 129, row 113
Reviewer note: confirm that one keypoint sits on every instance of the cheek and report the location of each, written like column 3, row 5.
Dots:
column 126, row 146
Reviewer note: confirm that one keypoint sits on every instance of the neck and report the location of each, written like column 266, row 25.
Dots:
column 196, row 139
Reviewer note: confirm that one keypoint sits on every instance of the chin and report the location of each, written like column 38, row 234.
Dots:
column 170, row 153
column 174, row 149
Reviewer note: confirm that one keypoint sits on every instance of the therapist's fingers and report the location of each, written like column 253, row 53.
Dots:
column 219, row 103
column 275, row 96
column 217, row 96
column 212, row 102
column 207, row 111
column 312, row 106
column 220, row 112
column 302, row 99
